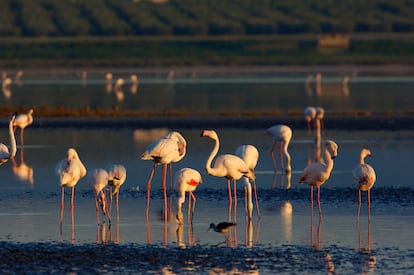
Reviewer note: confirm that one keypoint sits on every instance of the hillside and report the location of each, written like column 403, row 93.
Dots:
column 209, row 32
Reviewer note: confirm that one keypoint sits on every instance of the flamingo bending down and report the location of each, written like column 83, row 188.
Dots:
column 22, row 121
column 116, row 177
column 186, row 180
column 164, row 151
column 250, row 155
column 98, row 179
column 229, row 166
column 282, row 134
column 310, row 114
column 5, row 153
column 70, row 170
column 317, row 173
column 364, row 175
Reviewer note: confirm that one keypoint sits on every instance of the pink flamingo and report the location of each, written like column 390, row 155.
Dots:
column 283, row 135
column 164, row 151
column 317, row 173
column 22, row 121
column 98, row 179
column 186, row 180
column 250, row 155
column 365, row 177
column 70, row 170
column 229, row 166
column 5, row 153
column 116, row 177
column 310, row 114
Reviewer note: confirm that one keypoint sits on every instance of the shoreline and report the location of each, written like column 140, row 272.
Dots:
column 355, row 123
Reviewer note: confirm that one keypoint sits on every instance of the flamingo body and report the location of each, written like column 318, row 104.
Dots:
column 282, row 134
column 71, row 169
column 116, row 177
column 98, row 179
column 363, row 173
column 5, row 153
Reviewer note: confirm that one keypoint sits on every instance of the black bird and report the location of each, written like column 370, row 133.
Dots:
column 222, row 227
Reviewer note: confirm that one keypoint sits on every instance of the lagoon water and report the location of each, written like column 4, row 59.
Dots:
column 29, row 207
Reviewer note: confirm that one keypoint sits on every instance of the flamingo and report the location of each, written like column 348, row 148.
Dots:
column 229, row 166
column 6, row 87
column 22, row 121
column 116, row 177
column 134, row 83
column 70, row 170
column 310, row 114
column 364, row 176
column 108, row 79
column 250, row 155
column 282, row 134
column 317, row 173
column 164, row 151
column 5, row 154
column 186, row 180
column 98, row 179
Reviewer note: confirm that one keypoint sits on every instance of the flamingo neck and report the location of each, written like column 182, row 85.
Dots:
column 13, row 146
column 249, row 202
column 362, row 159
column 285, row 151
column 328, row 161
column 213, row 153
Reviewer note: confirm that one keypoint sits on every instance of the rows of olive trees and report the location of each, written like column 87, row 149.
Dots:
column 201, row 17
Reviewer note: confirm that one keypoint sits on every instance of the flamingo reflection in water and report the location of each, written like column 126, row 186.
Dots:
column 22, row 170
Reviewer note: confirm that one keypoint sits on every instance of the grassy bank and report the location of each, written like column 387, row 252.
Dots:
column 136, row 51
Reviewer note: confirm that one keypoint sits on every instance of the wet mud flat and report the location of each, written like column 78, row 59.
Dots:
column 61, row 258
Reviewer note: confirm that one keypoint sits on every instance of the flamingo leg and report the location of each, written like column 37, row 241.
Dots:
column 319, row 202
column 110, row 198
column 281, row 156
column 62, row 205
column 257, row 199
column 235, row 199
column 171, row 181
column 193, row 207
column 359, row 205
column 230, row 199
column 149, row 187
column 273, row 156
column 189, row 207
column 164, row 186
column 311, row 196
column 245, row 202
column 72, row 203
column 369, row 206
column 117, row 202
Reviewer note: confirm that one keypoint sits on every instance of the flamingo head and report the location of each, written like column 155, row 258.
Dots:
column 365, row 153
column 72, row 154
column 209, row 133
column 12, row 115
column 332, row 148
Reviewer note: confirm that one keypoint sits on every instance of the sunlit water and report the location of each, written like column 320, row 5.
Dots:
column 29, row 207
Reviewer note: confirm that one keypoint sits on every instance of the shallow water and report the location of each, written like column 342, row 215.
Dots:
column 286, row 226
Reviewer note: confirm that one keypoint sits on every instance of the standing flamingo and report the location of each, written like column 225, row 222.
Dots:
column 282, row 134
column 250, row 155
column 116, row 177
column 98, row 179
column 22, row 121
column 310, row 114
column 70, row 170
column 5, row 154
column 317, row 173
column 164, row 151
column 229, row 166
column 365, row 177
column 186, row 180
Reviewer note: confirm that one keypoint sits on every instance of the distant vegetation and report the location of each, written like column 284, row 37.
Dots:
column 197, row 32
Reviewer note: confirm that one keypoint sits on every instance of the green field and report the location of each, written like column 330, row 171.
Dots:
column 117, row 33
